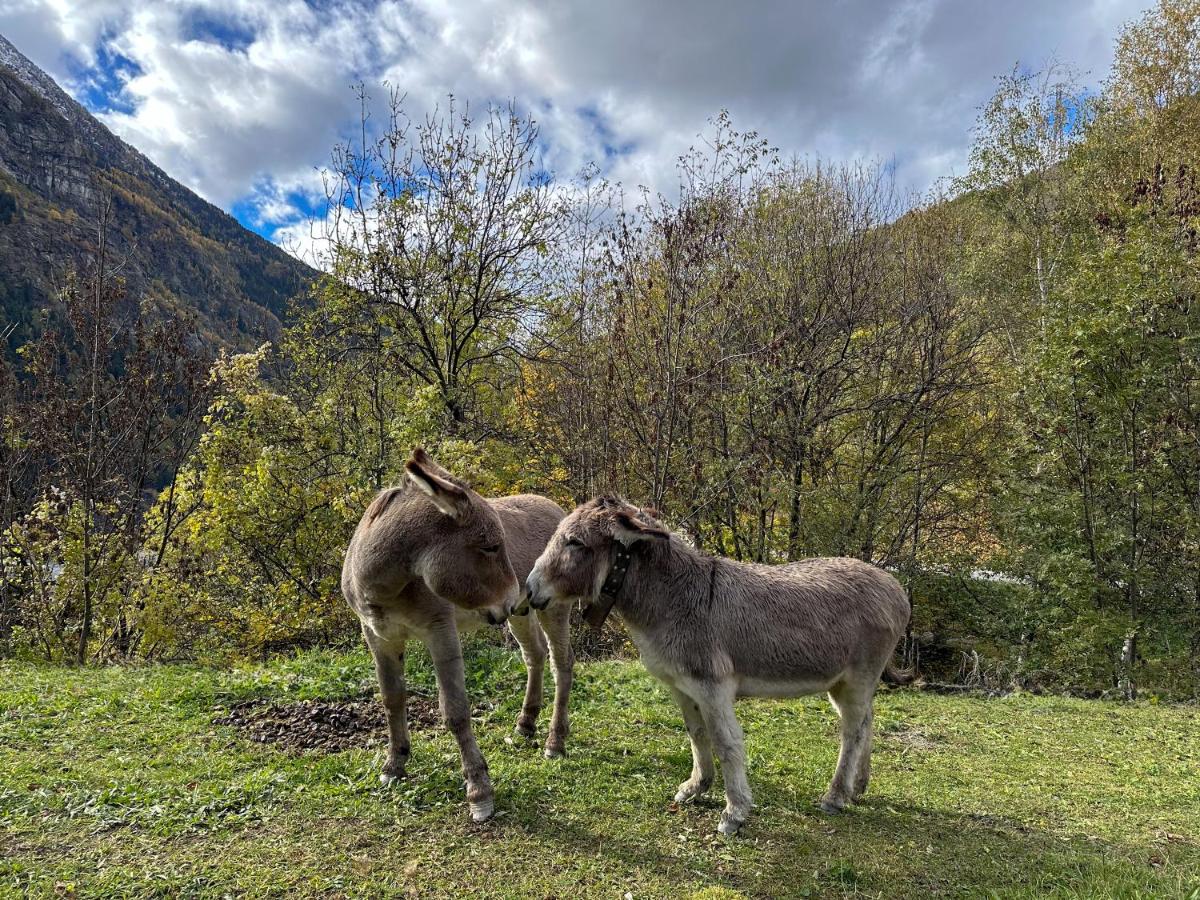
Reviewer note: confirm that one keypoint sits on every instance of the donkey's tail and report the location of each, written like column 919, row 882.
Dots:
column 892, row 675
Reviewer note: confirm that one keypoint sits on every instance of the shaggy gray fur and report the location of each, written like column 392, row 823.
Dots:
column 432, row 558
column 714, row 629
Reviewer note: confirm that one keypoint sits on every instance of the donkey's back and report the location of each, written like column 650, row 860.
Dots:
column 529, row 521
column 802, row 627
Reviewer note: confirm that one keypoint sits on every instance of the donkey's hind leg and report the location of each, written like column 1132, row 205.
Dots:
column 557, row 623
column 863, row 777
column 852, row 698
column 533, row 651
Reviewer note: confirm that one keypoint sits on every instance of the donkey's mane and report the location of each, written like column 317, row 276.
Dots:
column 381, row 502
column 611, row 504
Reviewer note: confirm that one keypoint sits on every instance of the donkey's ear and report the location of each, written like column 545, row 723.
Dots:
column 420, row 457
column 447, row 496
column 629, row 530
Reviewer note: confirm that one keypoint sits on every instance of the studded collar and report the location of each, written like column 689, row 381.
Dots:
column 598, row 611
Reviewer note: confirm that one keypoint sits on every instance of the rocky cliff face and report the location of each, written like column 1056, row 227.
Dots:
column 182, row 255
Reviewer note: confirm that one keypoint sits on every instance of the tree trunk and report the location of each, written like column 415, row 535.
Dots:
column 794, row 522
column 85, row 631
column 1126, row 684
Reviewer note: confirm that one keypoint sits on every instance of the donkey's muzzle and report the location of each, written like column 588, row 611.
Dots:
column 534, row 594
column 499, row 613
column 523, row 607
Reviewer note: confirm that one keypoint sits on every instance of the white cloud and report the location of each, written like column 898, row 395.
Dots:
column 249, row 118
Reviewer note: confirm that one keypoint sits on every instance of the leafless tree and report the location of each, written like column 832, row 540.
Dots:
column 442, row 230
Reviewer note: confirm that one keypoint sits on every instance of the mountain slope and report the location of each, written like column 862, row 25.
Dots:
column 181, row 254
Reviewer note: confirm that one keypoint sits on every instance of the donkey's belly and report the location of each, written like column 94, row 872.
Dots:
column 784, row 687
column 397, row 622
column 384, row 623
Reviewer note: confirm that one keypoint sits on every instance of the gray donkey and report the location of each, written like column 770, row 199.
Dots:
column 713, row 629
column 432, row 558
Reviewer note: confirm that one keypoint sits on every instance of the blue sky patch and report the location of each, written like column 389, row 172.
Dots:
column 246, row 211
column 200, row 25
column 609, row 144
column 249, row 210
column 101, row 88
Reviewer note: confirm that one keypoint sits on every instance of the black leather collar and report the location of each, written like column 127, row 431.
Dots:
column 598, row 611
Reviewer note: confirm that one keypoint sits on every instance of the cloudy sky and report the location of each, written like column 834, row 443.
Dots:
column 242, row 100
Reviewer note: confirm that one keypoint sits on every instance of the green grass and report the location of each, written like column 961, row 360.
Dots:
column 115, row 783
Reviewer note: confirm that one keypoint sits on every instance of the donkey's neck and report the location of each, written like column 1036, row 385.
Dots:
column 667, row 577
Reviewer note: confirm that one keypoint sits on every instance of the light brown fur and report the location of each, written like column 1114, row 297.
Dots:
column 714, row 629
column 432, row 558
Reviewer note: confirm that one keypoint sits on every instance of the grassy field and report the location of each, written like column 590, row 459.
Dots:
column 117, row 783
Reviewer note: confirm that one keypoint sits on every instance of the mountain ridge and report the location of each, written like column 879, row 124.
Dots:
column 184, row 256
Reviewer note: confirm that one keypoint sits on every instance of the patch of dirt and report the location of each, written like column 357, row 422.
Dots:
column 323, row 725
column 911, row 738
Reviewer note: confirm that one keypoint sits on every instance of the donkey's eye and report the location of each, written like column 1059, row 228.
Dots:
column 575, row 542
column 491, row 550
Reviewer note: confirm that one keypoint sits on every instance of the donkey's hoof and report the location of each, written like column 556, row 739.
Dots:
column 729, row 825
column 525, row 731
column 482, row 811
column 831, row 806
column 690, row 790
column 390, row 775
column 554, row 751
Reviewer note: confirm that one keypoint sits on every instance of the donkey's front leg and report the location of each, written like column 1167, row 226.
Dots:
column 557, row 622
column 715, row 699
column 389, row 669
column 446, row 653
column 703, row 770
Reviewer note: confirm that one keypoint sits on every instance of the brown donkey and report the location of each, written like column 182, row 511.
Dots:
column 433, row 558
column 713, row 630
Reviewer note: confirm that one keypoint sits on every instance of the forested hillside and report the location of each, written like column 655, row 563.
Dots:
column 60, row 168
column 994, row 391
